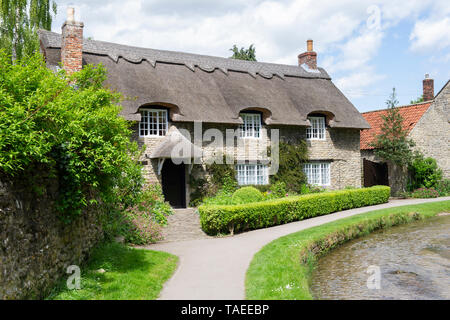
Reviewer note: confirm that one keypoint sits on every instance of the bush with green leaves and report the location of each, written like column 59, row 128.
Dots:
column 142, row 223
column 217, row 219
column 425, row 193
column 443, row 187
column 279, row 189
column 292, row 156
column 220, row 184
column 71, row 126
column 424, row 172
column 246, row 195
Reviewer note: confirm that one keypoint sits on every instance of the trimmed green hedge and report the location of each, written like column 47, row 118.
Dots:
column 234, row 218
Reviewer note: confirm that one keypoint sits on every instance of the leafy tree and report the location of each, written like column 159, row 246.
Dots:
column 393, row 144
column 418, row 100
column 72, row 131
column 424, row 172
column 244, row 54
column 19, row 19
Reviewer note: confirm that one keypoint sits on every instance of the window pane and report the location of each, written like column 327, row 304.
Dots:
column 252, row 174
column 153, row 123
column 251, row 125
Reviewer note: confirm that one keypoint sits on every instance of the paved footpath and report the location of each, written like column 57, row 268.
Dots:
column 214, row 268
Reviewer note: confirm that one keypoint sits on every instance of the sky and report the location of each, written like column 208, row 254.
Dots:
column 367, row 47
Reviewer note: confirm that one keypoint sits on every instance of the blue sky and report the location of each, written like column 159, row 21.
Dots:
column 366, row 46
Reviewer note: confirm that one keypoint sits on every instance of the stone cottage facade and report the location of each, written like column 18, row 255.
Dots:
column 181, row 101
column 428, row 124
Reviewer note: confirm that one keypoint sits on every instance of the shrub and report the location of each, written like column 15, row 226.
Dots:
column 292, row 156
column 73, row 130
column 425, row 193
column 279, row 189
column 424, row 172
column 231, row 218
column 246, row 195
column 443, row 187
column 221, row 181
column 142, row 222
column 221, row 198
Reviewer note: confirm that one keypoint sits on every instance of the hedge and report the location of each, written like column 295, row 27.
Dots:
column 224, row 219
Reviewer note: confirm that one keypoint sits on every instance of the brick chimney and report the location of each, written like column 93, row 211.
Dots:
column 72, row 43
column 428, row 88
column 309, row 57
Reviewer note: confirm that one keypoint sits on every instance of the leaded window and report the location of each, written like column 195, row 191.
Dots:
column 251, row 126
column 317, row 129
column 254, row 174
column 153, row 122
column 317, row 173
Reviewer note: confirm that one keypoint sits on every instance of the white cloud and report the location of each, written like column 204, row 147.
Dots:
column 431, row 35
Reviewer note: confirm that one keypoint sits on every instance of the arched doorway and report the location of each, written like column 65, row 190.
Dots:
column 173, row 178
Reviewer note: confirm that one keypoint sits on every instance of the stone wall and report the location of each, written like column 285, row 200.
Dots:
column 340, row 148
column 35, row 246
column 432, row 133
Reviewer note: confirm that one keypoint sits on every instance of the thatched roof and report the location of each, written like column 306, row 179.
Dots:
column 213, row 89
column 176, row 146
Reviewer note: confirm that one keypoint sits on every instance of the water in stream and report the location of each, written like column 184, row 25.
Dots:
column 413, row 259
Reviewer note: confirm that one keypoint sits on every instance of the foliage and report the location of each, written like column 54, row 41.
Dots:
column 418, row 100
column 277, row 265
column 246, row 195
column 130, row 274
column 393, row 144
column 140, row 223
column 424, row 172
column 221, row 219
column 425, row 193
column 74, row 130
column 221, row 183
column 292, row 156
column 244, row 54
column 19, row 19
column 443, row 187
column 279, row 189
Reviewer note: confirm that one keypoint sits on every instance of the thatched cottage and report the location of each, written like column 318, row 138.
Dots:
column 172, row 91
column 427, row 124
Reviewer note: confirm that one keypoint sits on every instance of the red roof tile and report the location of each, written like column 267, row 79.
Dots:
column 411, row 115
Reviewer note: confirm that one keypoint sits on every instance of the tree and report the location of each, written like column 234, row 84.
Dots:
column 73, row 132
column 393, row 144
column 19, row 20
column 244, row 54
column 418, row 100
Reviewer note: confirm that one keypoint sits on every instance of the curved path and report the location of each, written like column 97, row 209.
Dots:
column 215, row 268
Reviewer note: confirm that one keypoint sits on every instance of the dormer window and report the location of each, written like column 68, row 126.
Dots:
column 317, row 129
column 251, row 126
column 153, row 123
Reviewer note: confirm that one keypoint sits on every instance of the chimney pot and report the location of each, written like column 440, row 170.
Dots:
column 309, row 58
column 70, row 14
column 428, row 88
column 309, row 45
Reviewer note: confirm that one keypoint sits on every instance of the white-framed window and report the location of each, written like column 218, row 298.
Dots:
column 317, row 173
column 153, row 123
column 251, row 128
column 317, row 129
column 252, row 174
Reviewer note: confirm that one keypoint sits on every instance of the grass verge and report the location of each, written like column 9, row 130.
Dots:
column 130, row 274
column 281, row 270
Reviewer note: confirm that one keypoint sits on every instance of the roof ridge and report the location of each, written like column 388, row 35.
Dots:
column 191, row 60
column 402, row 106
